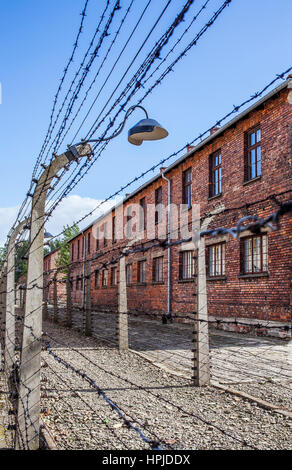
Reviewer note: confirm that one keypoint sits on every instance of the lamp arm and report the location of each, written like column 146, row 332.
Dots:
column 120, row 128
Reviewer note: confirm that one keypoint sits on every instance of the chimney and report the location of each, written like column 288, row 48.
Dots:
column 214, row 129
column 162, row 169
column 128, row 194
column 190, row 147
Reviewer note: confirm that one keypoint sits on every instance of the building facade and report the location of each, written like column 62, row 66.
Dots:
column 51, row 275
column 242, row 169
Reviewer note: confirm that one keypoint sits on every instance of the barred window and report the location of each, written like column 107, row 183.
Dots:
column 187, row 265
column 105, row 234
column 254, row 254
column 96, row 279
column 158, row 202
column 114, row 229
column 215, row 174
column 129, row 232
column 97, row 239
column 141, row 272
column 217, row 260
column 104, row 278
column 253, row 154
column 143, row 215
column 129, row 274
column 158, row 269
column 79, row 283
column 113, row 276
column 187, row 188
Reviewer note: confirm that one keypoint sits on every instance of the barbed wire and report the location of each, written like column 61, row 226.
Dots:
column 235, row 109
column 157, row 49
column 70, row 61
column 272, row 222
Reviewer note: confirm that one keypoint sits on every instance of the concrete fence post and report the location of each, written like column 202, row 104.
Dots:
column 201, row 328
column 68, row 301
column 55, row 300
column 10, row 302
column 123, row 340
column 17, row 298
column 28, row 413
column 3, row 303
column 87, row 324
column 45, row 302
column 21, row 297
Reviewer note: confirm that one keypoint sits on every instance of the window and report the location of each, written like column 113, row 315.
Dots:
column 141, row 275
column 217, row 260
column 129, row 232
column 129, row 274
column 96, row 279
column 72, row 252
column 114, row 229
column 97, row 239
column 105, row 234
column 254, row 254
column 113, row 276
column 187, row 265
column 104, row 278
column 79, row 283
column 253, row 154
column 88, row 242
column 158, row 201
column 187, row 188
column 143, row 215
column 78, row 249
column 215, row 174
column 158, row 269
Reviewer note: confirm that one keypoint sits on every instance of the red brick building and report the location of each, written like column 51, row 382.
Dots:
column 51, row 273
column 243, row 168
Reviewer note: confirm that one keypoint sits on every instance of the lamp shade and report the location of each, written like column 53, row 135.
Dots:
column 48, row 235
column 146, row 129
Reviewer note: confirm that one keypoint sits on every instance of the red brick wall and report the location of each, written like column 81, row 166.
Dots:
column 50, row 272
column 262, row 298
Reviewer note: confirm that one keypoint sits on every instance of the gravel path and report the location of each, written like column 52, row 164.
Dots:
column 167, row 410
column 6, row 437
column 259, row 366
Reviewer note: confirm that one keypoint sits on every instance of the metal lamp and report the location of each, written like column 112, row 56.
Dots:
column 48, row 235
column 146, row 129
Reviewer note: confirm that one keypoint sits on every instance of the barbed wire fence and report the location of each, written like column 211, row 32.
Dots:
column 187, row 353
column 118, row 327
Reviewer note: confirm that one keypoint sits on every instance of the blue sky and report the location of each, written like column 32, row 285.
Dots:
column 246, row 47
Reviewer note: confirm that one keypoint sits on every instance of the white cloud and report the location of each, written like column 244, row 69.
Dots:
column 70, row 210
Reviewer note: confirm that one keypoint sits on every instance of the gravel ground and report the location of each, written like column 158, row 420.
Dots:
column 259, row 366
column 165, row 408
column 6, row 437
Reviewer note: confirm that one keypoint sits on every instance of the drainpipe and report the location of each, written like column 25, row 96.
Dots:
column 83, row 278
column 169, row 248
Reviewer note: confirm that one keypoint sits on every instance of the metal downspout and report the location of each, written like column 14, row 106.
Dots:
column 169, row 248
column 83, row 279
